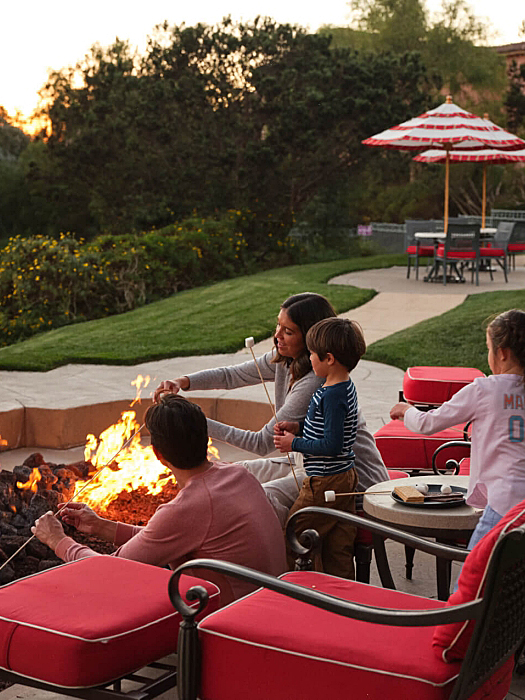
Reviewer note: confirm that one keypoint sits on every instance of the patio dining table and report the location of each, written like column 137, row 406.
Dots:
column 437, row 237
column 447, row 525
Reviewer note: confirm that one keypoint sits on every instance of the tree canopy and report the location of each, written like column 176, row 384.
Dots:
column 452, row 44
column 253, row 115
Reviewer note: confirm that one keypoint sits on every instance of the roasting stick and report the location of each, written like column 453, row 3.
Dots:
column 330, row 496
column 63, row 505
column 249, row 343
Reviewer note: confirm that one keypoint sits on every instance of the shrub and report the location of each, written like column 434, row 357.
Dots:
column 46, row 283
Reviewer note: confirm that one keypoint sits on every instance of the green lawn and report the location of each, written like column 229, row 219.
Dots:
column 457, row 337
column 199, row 321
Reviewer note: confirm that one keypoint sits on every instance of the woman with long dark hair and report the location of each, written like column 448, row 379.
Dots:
column 288, row 366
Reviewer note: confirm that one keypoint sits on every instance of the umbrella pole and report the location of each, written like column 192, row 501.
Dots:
column 447, row 174
column 484, row 201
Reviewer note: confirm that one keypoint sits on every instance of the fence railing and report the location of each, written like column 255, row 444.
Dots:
column 390, row 237
column 507, row 214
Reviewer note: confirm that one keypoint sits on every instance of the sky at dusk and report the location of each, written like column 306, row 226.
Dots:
column 36, row 37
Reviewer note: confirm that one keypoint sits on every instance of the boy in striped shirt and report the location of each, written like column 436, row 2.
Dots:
column 326, row 438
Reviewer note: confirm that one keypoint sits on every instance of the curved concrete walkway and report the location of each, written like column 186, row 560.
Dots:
column 57, row 409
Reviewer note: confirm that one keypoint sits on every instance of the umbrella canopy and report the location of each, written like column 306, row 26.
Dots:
column 487, row 155
column 448, row 127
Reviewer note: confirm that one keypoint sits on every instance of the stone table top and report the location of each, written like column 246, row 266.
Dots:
column 383, row 507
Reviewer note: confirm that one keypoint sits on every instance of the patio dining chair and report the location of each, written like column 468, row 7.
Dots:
column 498, row 249
column 309, row 635
column 416, row 249
column 461, row 248
column 517, row 240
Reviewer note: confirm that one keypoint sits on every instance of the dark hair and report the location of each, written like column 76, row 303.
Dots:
column 508, row 331
column 339, row 336
column 179, row 431
column 304, row 310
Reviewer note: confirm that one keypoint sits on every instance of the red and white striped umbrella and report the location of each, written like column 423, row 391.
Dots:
column 486, row 156
column 448, row 127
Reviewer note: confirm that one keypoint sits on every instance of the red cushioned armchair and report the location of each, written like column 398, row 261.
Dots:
column 309, row 635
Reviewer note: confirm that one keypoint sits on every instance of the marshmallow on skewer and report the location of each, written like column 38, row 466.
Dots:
column 329, row 496
column 249, row 342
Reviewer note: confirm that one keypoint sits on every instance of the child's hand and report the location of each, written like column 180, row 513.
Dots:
column 283, row 426
column 398, row 411
column 283, row 442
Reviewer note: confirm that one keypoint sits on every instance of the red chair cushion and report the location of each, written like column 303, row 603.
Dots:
column 283, row 649
column 464, row 466
column 424, row 250
column 90, row 621
column 402, row 449
column 451, row 641
column 456, row 254
column 492, row 252
column 435, row 385
column 516, row 247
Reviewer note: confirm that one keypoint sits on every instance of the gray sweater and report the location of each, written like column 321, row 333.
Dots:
column 291, row 404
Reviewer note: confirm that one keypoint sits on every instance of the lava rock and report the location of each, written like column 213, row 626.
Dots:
column 34, row 460
column 37, row 549
column 7, row 529
column 22, row 473
column 7, row 574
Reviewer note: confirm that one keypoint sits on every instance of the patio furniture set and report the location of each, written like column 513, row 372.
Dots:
column 101, row 627
column 464, row 247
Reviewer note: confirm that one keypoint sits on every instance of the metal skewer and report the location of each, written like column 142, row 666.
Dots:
column 249, row 343
column 63, row 505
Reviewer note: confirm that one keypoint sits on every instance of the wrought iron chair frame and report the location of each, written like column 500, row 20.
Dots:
column 506, row 571
column 144, row 687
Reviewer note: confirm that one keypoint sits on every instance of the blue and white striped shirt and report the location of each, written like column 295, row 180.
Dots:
column 329, row 430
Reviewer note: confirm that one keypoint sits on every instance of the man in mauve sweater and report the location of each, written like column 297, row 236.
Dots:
column 218, row 513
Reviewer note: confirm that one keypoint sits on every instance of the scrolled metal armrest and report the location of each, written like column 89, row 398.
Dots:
column 346, row 608
column 438, row 550
column 446, row 446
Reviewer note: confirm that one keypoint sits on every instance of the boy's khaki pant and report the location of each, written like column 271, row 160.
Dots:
column 336, row 555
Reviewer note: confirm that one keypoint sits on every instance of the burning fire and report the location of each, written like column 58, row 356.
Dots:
column 32, row 483
column 133, row 467
column 136, row 466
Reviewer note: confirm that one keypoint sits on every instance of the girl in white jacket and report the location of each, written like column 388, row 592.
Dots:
column 496, row 407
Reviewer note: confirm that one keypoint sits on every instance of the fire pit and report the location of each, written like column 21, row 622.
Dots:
column 129, row 486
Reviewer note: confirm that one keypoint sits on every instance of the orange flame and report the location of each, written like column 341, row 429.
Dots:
column 136, row 464
column 32, row 483
column 139, row 382
column 3, row 443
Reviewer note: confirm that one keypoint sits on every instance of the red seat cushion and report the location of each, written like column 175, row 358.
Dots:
column 492, row 252
column 451, row 641
column 435, row 385
column 424, row 250
column 464, row 466
column 90, row 621
column 516, row 247
column 282, row 648
column 456, row 254
column 402, row 449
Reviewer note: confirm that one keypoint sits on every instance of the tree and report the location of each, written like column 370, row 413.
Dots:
column 515, row 98
column 450, row 44
column 241, row 115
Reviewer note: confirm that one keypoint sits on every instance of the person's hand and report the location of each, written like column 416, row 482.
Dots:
column 82, row 518
column 48, row 530
column 171, row 386
column 283, row 426
column 398, row 411
column 284, row 442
